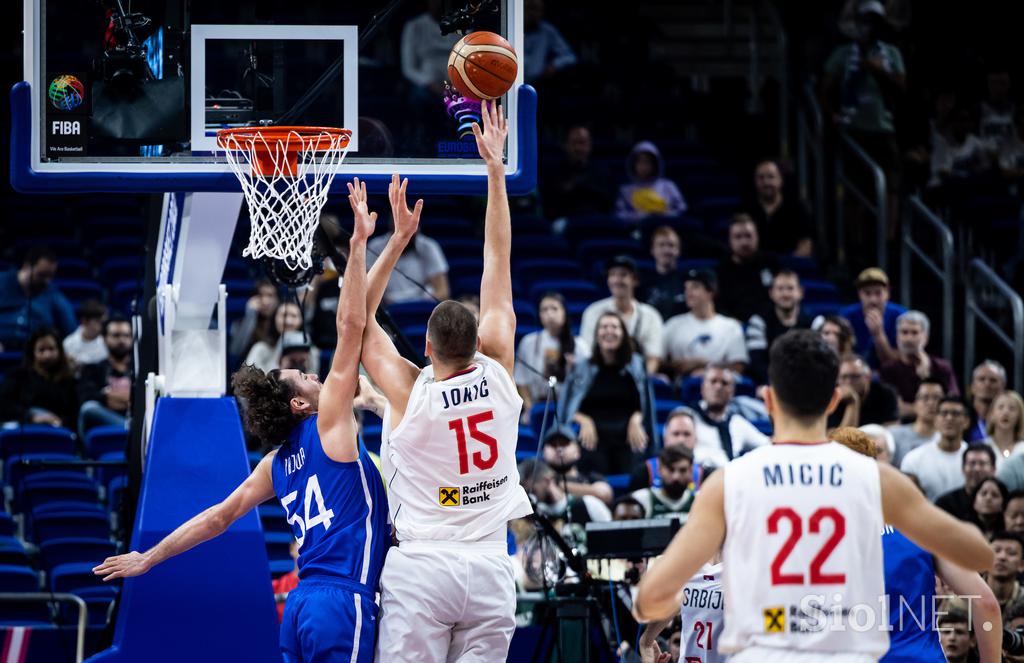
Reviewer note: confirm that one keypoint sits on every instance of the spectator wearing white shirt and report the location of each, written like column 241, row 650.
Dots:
column 545, row 50
column 722, row 433
column 702, row 337
column 85, row 345
column 922, row 431
column 547, row 353
column 937, row 466
column 421, row 273
column 425, row 51
column 643, row 322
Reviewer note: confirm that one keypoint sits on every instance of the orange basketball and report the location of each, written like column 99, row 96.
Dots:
column 483, row 65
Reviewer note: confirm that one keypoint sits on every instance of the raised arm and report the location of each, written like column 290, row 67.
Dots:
column 933, row 529
column 394, row 374
column 497, row 316
column 258, row 488
column 336, row 424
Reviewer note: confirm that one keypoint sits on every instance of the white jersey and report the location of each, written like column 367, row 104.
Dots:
column 702, row 617
column 450, row 463
column 802, row 555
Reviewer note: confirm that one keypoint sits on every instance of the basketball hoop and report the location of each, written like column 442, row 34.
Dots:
column 285, row 173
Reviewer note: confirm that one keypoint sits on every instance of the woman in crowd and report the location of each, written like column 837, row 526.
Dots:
column 547, row 353
column 258, row 322
column 42, row 390
column 1005, row 425
column 611, row 399
column 838, row 333
column 989, row 502
column 266, row 354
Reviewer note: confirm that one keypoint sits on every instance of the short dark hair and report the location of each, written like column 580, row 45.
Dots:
column 954, row 616
column 91, row 309
column 1003, row 535
column 63, row 370
column 268, row 412
column 940, row 383
column 452, row 331
column 672, row 455
column 787, row 273
column 978, row 447
column 802, row 371
column 951, row 398
column 37, row 252
column 1014, row 495
column 628, row 500
column 116, row 319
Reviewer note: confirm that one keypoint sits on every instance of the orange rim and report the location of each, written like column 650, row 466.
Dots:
column 268, row 139
column 275, row 133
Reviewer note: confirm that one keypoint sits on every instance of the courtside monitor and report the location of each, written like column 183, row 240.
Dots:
column 130, row 96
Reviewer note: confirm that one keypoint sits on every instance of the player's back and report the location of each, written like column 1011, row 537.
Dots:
column 702, row 615
column 910, row 587
column 338, row 511
column 802, row 554
column 451, row 462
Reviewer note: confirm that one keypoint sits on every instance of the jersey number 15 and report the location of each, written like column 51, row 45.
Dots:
column 479, row 460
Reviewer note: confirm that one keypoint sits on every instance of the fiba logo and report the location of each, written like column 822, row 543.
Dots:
column 66, row 92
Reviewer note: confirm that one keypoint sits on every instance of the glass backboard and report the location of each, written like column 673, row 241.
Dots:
column 128, row 95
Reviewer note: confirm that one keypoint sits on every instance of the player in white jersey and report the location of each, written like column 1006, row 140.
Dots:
column 701, row 617
column 448, row 449
column 799, row 521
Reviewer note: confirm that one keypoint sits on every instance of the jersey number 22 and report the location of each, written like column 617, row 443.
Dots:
column 323, row 515
column 479, row 460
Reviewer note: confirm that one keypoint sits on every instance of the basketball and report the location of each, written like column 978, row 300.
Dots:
column 483, row 65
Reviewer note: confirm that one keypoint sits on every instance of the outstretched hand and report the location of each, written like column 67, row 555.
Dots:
column 490, row 140
column 406, row 220
column 122, row 566
column 366, row 220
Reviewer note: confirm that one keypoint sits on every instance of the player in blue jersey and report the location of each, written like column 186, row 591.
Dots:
column 330, row 488
column 910, row 589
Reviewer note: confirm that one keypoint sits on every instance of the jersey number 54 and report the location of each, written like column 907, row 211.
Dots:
column 314, row 497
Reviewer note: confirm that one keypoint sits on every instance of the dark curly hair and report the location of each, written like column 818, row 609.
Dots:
column 267, row 414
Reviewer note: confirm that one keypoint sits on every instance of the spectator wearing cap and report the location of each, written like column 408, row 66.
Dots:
column 701, row 337
column 786, row 295
column 643, row 322
column 914, row 364
column 680, row 431
column 987, row 381
column 723, row 429
column 562, row 453
column 978, row 464
column 937, row 465
column 746, row 274
column 783, row 223
column 543, row 482
column 664, row 289
column 29, row 300
column 675, row 494
column 874, row 318
column 85, row 345
column 297, row 353
column 861, row 399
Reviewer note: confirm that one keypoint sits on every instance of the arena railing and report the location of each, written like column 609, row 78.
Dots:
column 918, row 216
column 981, row 280
column 810, row 155
column 874, row 203
column 47, row 597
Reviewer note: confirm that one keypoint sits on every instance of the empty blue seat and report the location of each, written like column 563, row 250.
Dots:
column 12, row 553
column 716, row 206
column 36, row 438
column 415, row 334
column 526, row 312
column 273, row 519
column 74, row 577
column 663, row 390
column 115, row 491
column 280, row 567
column 18, row 579
column 820, row 291
column 55, row 552
column 97, row 606
column 78, row 290
column 454, row 248
column 20, row 466
column 125, row 245
column 806, row 268
column 75, row 268
column 106, row 473
column 105, row 439
column 7, row 527
column 814, row 309
column 590, row 226
column 372, row 438
column 122, row 268
column 123, row 293
column 619, row 483
column 70, row 524
column 411, row 313
column 537, row 417
column 527, row 439
column 446, row 228
column 595, row 250
column 570, row 289
column 465, row 267
column 278, row 545
column 532, row 270
column 537, row 247
column 9, row 360
column 663, row 407
column 46, row 492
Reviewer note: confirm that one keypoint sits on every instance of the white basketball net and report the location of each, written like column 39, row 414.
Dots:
column 284, row 208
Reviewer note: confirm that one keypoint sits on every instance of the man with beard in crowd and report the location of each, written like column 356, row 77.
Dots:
column 553, row 498
column 680, row 431
column 675, row 496
column 104, row 389
column 562, row 453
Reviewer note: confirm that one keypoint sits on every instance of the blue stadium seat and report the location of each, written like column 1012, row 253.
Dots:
column 105, row 474
column 371, row 438
column 814, row 309
column 75, row 268
column 273, row 518
column 820, row 291
column 763, row 425
column 538, row 247
column 527, row 440
column 105, row 439
column 446, row 227
column 74, row 576
column 714, row 207
column 570, row 289
column 55, row 552
column 97, row 605
column 663, row 390
column 36, row 438
column 115, row 491
column 39, row 493
column 9, row 360
column 122, row 294
column 589, row 226
column 663, row 407
column 12, row 553
column 411, row 313
column 7, row 526
column 78, row 290
column 280, row 567
column 526, row 312
column 602, row 250
column 619, row 483
column 70, row 524
column 124, row 268
column 696, row 263
column 17, row 467
column 537, row 417
column 467, row 285
column 415, row 334
column 18, row 579
column 278, row 544
column 530, row 224
column 806, row 268
column 462, row 248
column 465, row 267
column 530, row 271
column 236, row 269
column 119, row 246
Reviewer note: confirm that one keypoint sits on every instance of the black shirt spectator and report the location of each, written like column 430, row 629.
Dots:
column 979, row 463
column 784, row 314
column 573, row 184
column 744, row 276
column 664, row 289
column 782, row 221
column 863, row 401
column 42, row 389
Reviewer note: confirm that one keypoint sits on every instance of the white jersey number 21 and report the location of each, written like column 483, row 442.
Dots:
column 323, row 515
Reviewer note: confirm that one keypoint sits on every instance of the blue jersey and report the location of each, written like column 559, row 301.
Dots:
column 910, row 587
column 338, row 511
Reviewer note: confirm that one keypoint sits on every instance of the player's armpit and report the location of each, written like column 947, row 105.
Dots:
column 657, row 595
column 906, row 509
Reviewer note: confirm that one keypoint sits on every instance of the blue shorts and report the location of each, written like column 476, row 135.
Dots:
column 329, row 619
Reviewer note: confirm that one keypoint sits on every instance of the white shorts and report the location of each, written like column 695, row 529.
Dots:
column 443, row 602
column 772, row 655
